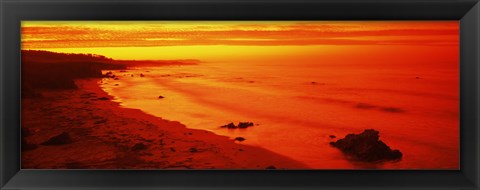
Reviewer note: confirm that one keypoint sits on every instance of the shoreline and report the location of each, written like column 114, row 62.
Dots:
column 105, row 135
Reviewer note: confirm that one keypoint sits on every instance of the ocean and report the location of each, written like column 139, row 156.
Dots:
column 298, row 104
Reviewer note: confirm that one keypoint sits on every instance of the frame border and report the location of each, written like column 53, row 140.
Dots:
column 13, row 11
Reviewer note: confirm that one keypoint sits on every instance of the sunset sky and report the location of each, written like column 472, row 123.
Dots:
column 203, row 39
column 301, row 84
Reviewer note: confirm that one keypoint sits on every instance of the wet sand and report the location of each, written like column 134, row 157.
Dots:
column 107, row 136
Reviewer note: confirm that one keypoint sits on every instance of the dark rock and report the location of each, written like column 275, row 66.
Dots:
column 161, row 97
column 417, row 77
column 109, row 75
column 245, row 124
column 240, row 139
column 271, row 168
column 332, row 136
column 367, row 147
column 242, row 125
column 172, row 149
column 61, row 139
column 317, row 83
column 141, row 75
column 116, row 78
column 139, row 146
column 392, row 109
column 193, row 150
column 104, row 98
column 229, row 126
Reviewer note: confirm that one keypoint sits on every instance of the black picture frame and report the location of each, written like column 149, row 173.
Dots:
column 14, row 11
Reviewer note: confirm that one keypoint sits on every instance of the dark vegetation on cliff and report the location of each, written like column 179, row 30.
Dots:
column 49, row 70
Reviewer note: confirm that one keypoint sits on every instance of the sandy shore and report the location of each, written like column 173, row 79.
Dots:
column 106, row 136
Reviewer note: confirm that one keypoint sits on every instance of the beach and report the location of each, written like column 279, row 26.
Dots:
column 106, row 136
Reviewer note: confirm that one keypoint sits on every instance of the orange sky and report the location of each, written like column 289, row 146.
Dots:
column 38, row 34
column 147, row 38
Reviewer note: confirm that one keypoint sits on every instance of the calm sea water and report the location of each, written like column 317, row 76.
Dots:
column 297, row 106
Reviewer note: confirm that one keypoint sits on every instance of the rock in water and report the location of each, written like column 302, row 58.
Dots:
column 239, row 139
column 245, row 124
column 241, row 125
column 229, row 126
column 61, row 139
column 367, row 147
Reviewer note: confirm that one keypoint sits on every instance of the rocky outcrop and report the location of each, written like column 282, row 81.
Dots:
column 229, row 126
column 241, row 125
column 245, row 124
column 240, row 139
column 367, row 147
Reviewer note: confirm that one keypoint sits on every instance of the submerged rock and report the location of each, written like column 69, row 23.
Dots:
column 161, row 97
column 367, row 147
column 61, row 139
column 392, row 109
